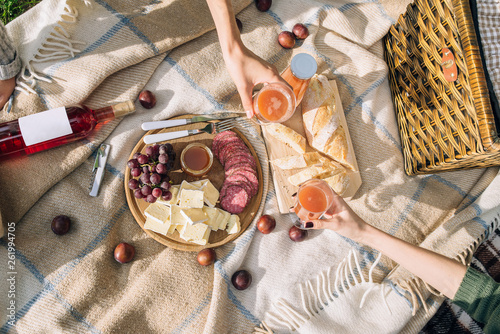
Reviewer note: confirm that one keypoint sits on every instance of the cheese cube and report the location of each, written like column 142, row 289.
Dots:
column 224, row 219
column 203, row 241
column 187, row 185
column 198, row 184
column 194, row 232
column 210, row 194
column 233, row 226
column 191, row 199
column 157, row 212
column 157, row 227
column 175, row 192
column 212, row 214
column 194, row 216
column 176, row 217
column 171, row 229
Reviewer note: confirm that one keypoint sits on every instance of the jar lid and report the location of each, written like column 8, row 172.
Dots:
column 303, row 66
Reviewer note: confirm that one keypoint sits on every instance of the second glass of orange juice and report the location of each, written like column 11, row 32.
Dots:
column 274, row 103
column 314, row 197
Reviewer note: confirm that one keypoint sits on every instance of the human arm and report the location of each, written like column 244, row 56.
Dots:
column 10, row 64
column 441, row 272
column 245, row 68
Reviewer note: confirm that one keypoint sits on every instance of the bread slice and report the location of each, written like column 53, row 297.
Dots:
column 287, row 136
column 297, row 161
column 325, row 128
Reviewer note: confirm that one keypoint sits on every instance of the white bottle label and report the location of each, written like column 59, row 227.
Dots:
column 43, row 126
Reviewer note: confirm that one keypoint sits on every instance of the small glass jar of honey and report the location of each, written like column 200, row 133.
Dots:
column 196, row 159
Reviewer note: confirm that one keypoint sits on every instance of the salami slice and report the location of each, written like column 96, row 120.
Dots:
column 232, row 148
column 220, row 139
column 235, row 201
column 239, row 159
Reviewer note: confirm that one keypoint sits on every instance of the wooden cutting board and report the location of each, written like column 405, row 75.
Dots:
column 276, row 149
column 216, row 176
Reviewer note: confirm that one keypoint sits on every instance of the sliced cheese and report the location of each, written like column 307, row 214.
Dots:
column 212, row 214
column 193, row 232
column 233, row 226
column 171, row 229
column 157, row 227
column 191, row 199
column 157, row 212
column 176, row 217
column 297, row 161
column 175, row 191
column 287, row 136
column 194, row 215
column 223, row 219
column 210, row 194
column 204, row 240
column 198, row 184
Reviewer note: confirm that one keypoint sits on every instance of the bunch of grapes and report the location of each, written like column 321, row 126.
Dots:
column 150, row 172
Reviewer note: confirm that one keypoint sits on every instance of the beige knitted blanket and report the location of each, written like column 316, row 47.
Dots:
column 102, row 52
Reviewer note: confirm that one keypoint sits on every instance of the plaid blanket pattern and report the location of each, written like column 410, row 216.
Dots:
column 73, row 284
column 451, row 318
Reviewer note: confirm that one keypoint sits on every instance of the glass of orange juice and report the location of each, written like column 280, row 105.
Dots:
column 314, row 197
column 274, row 103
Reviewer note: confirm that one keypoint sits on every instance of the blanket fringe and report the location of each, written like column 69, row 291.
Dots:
column 316, row 297
column 57, row 46
column 417, row 288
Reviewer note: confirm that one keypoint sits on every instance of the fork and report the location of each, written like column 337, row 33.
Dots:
column 211, row 128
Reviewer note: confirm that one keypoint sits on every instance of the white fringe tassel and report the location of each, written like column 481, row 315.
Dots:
column 315, row 300
column 58, row 46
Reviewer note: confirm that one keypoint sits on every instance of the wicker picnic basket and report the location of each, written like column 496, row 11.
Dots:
column 444, row 125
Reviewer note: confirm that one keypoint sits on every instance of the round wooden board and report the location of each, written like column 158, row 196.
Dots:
column 216, row 176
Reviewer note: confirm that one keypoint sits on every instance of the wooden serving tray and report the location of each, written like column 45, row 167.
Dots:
column 216, row 176
column 277, row 149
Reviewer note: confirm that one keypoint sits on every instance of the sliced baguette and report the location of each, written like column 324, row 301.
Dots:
column 297, row 161
column 286, row 135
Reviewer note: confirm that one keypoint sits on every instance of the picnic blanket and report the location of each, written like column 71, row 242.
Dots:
column 107, row 51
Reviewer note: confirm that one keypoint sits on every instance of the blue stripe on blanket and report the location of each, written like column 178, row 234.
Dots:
column 126, row 21
column 192, row 317
column 50, row 286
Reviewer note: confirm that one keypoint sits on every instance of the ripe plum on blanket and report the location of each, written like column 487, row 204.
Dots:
column 266, row 224
column 241, row 279
column 296, row 234
column 286, row 39
column 124, row 252
column 147, row 99
column 206, row 257
column 300, row 31
column 263, row 5
column 61, row 224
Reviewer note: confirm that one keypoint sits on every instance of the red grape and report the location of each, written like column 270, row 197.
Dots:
column 133, row 163
column 161, row 169
column 266, row 224
column 157, row 192
column 206, row 257
column 146, row 177
column 150, row 198
column 136, row 155
column 147, row 99
column 124, row 252
column 133, row 184
column 61, row 224
column 300, row 31
column 286, row 39
column 155, row 178
column 296, row 234
column 138, row 194
column 163, row 158
column 135, row 172
column 167, row 195
column 146, row 190
column 263, row 5
column 241, row 279
column 169, row 147
column 143, row 159
column 150, row 151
